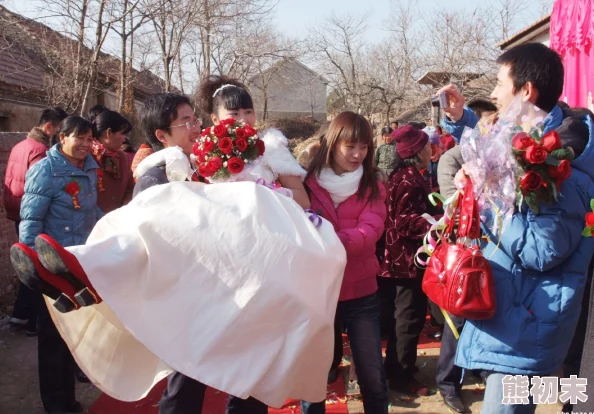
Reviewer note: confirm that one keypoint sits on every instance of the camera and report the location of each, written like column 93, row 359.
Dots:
column 440, row 101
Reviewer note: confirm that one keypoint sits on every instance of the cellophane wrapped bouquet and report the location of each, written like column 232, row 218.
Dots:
column 512, row 163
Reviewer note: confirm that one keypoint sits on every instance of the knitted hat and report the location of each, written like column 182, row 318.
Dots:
column 409, row 141
column 433, row 135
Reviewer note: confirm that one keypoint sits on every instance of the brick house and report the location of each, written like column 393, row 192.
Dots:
column 25, row 86
column 289, row 89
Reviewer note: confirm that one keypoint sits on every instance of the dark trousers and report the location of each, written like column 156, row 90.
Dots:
column 403, row 307
column 338, row 351
column 185, row 395
column 361, row 318
column 25, row 303
column 56, row 364
column 448, row 375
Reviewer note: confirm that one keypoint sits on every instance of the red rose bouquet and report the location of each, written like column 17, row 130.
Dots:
column 512, row 164
column 224, row 150
column 542, row 166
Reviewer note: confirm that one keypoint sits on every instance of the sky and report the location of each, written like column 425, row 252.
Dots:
column 295, row 17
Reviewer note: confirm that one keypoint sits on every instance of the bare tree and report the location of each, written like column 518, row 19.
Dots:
column 339, row 43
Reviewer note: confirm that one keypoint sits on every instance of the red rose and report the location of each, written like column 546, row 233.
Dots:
column 208, row 145
column 204, row 171
column 261, row 147
column 589, row 219
column 551, row 141
column 535, row 154
column 226, row 145
column 196, row 149
column 227, row 122
column 220, row 131
column 240, row 133
column 241, row 144
column 249, row 131
column 560, row 173
column 532, row 181
column 206, row 132
column 235, row 165
column 215, row 164
column 522, row 140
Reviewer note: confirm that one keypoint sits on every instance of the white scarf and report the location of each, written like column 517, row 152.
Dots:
column 341, row 186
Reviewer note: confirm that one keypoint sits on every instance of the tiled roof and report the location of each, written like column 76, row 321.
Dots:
column 21, row 55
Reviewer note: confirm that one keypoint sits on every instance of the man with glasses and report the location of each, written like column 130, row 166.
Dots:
column 168, row 120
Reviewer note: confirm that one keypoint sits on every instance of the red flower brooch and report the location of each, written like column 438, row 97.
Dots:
column 73, row 189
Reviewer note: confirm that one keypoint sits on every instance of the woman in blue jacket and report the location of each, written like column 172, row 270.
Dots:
column 60, row 200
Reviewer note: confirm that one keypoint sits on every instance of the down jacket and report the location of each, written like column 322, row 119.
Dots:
column 539, row 265
column 47, row 208
column 359, row 224
column 22, row 157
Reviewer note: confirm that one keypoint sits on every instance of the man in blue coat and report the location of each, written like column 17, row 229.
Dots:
column 540, row 262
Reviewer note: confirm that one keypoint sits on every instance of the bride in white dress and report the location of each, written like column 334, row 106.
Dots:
column 230, row 284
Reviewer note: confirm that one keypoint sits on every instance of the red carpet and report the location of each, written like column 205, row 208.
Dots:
column 214, row 401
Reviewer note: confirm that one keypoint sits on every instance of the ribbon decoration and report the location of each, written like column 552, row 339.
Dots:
column 313, row 217
column 275, row 187
column 437, row 226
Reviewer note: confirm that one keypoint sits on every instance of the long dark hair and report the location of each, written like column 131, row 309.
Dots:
column 220, row 91
column 111, row 120
column 353, row 128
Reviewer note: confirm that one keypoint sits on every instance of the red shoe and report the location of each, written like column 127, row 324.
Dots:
column 60, row 261
column 37, row 278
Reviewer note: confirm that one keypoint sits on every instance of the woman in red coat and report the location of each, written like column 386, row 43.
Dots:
column 114, row 177
column 403, row 303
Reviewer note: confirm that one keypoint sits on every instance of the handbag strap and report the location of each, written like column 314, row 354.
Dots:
column 468, row 218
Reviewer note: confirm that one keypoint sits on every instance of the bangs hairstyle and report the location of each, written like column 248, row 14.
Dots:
column 352, row 128
column 111, row 120
column 234, row 97
column 75, row 125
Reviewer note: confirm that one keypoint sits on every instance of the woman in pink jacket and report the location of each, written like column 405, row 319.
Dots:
column 344, row 189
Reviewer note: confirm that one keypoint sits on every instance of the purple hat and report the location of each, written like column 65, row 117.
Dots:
column 409, row 141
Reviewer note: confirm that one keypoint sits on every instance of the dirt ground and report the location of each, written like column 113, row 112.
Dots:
column 19, row 386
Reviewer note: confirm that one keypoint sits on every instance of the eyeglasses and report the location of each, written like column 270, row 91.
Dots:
column 190, row 124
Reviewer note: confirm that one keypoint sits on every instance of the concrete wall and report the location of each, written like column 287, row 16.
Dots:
column 8, row 237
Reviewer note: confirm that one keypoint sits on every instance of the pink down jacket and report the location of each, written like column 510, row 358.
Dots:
column 359, row 225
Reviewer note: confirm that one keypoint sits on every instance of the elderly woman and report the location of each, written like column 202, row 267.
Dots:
column 60, row 200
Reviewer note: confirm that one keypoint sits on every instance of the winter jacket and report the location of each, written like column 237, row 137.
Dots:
column 118, row 182
column 47, row 208
column 143, row 151
column 539, row 265
column 22, row 157
column 386, row 158
column 449, row 164
column 405, row 227
column 359, row 224
column 455, row 128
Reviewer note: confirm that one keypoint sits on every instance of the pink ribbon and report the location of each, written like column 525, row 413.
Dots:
column 275, row 187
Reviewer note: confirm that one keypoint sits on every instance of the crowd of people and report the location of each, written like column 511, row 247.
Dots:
column 376, row 196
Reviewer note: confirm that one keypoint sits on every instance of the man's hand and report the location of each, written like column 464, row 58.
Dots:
column 461, row 178
column 456, row 101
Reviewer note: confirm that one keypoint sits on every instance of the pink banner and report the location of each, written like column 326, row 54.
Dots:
column 572, row 35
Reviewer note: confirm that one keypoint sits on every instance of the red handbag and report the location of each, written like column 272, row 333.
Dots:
column 458, row 278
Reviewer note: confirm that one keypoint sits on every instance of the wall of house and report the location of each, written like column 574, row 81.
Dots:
column 22, row 116
column 8, row 237
column 293, row 91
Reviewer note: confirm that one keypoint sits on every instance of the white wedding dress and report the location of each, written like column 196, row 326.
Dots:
column 231, row 284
